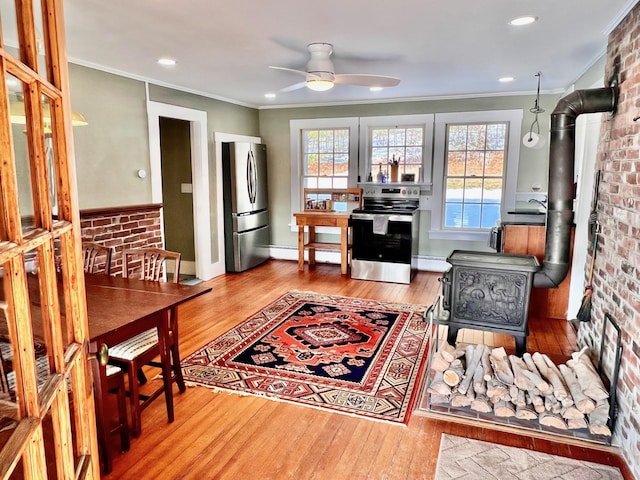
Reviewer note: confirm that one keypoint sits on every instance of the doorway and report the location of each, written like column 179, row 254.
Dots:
column 177, row 189
column 207, row 206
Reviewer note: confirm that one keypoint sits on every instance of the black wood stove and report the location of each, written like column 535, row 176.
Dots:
column 489, row 291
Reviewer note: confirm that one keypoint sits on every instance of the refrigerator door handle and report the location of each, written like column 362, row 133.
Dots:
column 251, row 176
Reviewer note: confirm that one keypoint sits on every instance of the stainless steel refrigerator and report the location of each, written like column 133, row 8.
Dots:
column 246, row 217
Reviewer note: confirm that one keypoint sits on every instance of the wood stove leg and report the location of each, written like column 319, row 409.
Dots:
column 521, row 345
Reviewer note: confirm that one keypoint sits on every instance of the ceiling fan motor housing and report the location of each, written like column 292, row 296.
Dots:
column 320, row 66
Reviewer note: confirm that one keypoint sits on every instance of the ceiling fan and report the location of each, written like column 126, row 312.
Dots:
column 321, row 76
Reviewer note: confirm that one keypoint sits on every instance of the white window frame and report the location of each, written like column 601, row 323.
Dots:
column 514, row 119
column 295, row 131
column 402, row 121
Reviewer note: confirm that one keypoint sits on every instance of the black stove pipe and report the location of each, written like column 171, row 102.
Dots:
column 561, row 173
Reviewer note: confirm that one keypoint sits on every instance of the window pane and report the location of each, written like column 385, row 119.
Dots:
column 311, row 165
column 476, row 138
column 326, row 165
column 457, row 137
column 379, row 155
column 325, row 182
column 396, row 136
column 453, row 215
column 342, row 141
column 471, row 215
column 414, row 136
column 496, row 135
column 475, row 163
column 493, row 190
column 311, row 182
column 494, row 166
column 310, row 141
column 340, row 182
column 341, row 165
column 413, row 155
column 454, row 190
column 396, row 153
column 379, row 137
column 325, row 141
column 455, row 164
column 473, row 190
column 490, row 216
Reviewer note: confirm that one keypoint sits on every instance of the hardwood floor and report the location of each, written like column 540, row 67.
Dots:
column 225, row 436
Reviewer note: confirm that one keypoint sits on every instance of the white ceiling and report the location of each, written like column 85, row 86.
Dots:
column 437, row 48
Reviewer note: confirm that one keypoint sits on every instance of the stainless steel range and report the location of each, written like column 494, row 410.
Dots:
column 385, row 233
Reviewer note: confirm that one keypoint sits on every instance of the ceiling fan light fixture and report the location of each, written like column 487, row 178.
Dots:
column 319, row 85
column 376, row 89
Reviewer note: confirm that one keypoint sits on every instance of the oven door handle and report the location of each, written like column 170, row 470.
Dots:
column 392, row 217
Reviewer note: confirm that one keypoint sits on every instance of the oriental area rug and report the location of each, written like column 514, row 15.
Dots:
column 464, row 458
column 350, row 355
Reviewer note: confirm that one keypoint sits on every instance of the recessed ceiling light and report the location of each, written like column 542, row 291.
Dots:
column 167, row 62
column 270, row 95
column 506, row 79
column 524, row 20
column 375, row 89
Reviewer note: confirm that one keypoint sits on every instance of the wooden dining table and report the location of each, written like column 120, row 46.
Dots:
column 120, row 308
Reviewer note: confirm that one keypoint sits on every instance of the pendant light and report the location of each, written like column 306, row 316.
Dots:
column 533, row 139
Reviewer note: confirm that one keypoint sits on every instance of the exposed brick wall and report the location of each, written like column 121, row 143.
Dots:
column 617, row 272
column 122, row 227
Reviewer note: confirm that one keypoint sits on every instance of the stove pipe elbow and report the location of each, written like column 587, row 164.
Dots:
column 561, row 174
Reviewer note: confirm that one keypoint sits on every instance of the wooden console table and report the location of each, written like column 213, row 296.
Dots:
column 311, row 220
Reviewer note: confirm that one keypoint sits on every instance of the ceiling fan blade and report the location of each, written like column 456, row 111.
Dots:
column 301, row 72
column 295, row 86
column 366, row 80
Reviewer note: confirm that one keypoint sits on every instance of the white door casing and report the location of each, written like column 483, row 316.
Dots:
column 206, row 266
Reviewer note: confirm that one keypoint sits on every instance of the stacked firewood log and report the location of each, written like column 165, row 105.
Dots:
column 531, row 387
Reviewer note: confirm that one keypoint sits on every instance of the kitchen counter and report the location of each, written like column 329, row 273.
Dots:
column 523, row 219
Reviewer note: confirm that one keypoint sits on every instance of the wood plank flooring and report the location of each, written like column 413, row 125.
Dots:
column 224, row 436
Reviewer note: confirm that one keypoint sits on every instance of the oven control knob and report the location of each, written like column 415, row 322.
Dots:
column 403, row 191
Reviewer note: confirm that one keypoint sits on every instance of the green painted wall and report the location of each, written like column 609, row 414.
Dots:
column 175, row 145
column 274, row 129
column 115, row 145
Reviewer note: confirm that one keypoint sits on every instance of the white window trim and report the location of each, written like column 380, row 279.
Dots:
column 423, row 120
column 295, row 131
column 514, row 118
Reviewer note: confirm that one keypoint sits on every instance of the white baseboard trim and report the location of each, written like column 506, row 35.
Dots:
column 425, row 263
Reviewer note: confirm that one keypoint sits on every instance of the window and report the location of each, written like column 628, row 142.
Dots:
column 325, row 158
column 401, row 145
column 474, row 172
column 324, row 154
column 475, row 161
column 404, row 138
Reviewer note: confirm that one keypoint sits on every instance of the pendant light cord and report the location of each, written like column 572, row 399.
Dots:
column 536, row 110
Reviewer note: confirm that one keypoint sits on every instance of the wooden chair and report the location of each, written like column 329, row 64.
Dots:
column 143, row 349
column 96, row 257
column 149, row 264
column 115, row 386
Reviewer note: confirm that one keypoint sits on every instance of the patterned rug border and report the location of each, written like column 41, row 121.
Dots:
column 414, row 385
column 572, row 466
